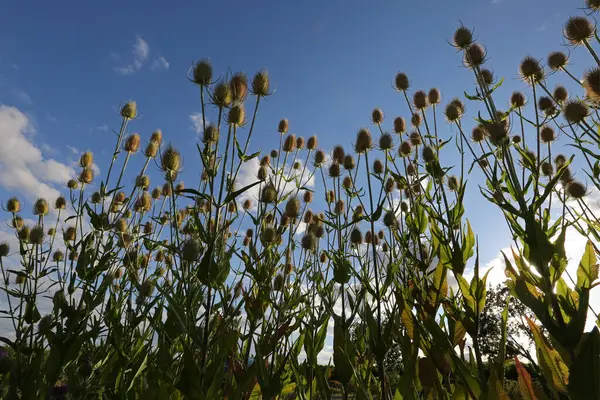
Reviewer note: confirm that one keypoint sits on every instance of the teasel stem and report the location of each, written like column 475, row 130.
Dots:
column 538, row 143
column 592, row 51
column 249, row 136
column 571, row 75
column 116, row 152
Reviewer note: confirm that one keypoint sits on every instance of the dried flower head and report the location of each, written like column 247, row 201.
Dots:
column 309, row 242
column 40, row 207
column 338, row 154
column 239, row 86
column 575, row 111
column 475, row 55
column 547, row 168
column 202, row 72
column 378, row 167
column 283, row 126
column 591, row 82
column 58, row 256
column 477, row 134
column 566, row 177
column 364, row 141
column 386, row 141
column 37, row 234
column 404, row 207
column 4, row 249
column 13, row 205
column 401, row 82
column 576, row 190
column 61, row 203
column 389, row 220
column 399, row 125
column 268, row 194
column 415, row 138
column 156, row 137
column 17, row 222
column 452, row 183
column 72, row 184
column 496, row 131
column 23, row 234
column 517, row 99
column 420, row 100
column 516, row 139
column 142, row 181
column 557, row 60
column 292, row 208
column 334, row 170
column 129, row 110
column 531, row 70
column 247, row 204
column 261, row 83
column 428, row 154
column 222, row 95
column 86, row 176
column 210, row 134
column 319, row 158
column 547, row 134
column 377, row 116
column 593, row 5
column 487, row 76
column 578, row 30
column 347, row 183
column 356, row 236
column 132, row 143
column 390, row 184
column 170, row 161
column 463, row 37
column 405, row 149
column 151, row 149
column 262, row 173
column 348, row 162
column 416, row 120
column 268, row 235
column 312, row 143
column 86, row 159
column 307, row 197
column 236, row 115
column 546, row 105
column 300, row 142
column 434, row 96
column 289, row 143
column 561, row 94
column 340, row 207
column 452, row 112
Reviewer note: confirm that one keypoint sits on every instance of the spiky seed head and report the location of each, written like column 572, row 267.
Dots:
column 156, row 193
column 247, row 204
column 261, row 83
column 24, row 233
column 347, row 182
column 356, row 236
column 132, row 143
column 148, row 228
column 364, row 141
column 236, row 115
column 576, row 190
column 308, row 217
column 575, row 111
column 142, row 181
column 69, row 234
column 390, row 184
column 405, row 149
column 4, row 249
column 340, row 207
column 147, row 288
column 239, row 86
column 378, row 167
column 386, row 141
column 13, row 205
column 404, row 207
column 463, row 37
column 389, row 220
column 129, row 110
column 20, row 279
column 434, row 96
column 292, row 208
column 166, row 190
column 428, row 154
column 517, row 99
column 289, row 143
column 578, row 30
column 268, row 194
column 593, row 5
column 121, row 225
column 516, row 139
column 300, row 142
column 459, row 104
column 274, row 154
column 203, row 72
column 487, row 76
column 319, row 158
column 452, row 112
column 312, row 143
column 262, row 173
column 567, row 176
column 323, row 257
column 151, row 149
column 309, row 242
column 51, row 232
column 530, row 70
column 37, row 235
column 145, row 201
column 265, row 161
column 416, row 120
column 86, row 176
column 591, row 82
column 86, row 159
column 61, row 203
column 222, row 96
column 401, row 82
column 415, row 138
column 547, row 168
column 307, row 197
column 420, row 100
column 399, row 125
column 557, row 60
column 268, row 235
column 475, row 55
column 546, row 105
column 191, row 250
column 283, row 126
column 338, row 154
column 58, row 256
column 17, row 222
column 348, row 162
column 547, row 134
column 368, row 237
column 210, row 134
column 171, row 161
column 477, row 134
column 330, row 196
column 452, row 183
column 496, row 131
column 334, row 170
column 72, row 184
column 40, row 207
column 561, row 94
column 377, row 116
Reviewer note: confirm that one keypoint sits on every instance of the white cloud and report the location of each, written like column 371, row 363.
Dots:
column 139, row 52
column 23, row 167
column 73, row 149
column 160, row 64
column 196, row 119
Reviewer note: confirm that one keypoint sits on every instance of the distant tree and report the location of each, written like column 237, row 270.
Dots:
column 490, row 325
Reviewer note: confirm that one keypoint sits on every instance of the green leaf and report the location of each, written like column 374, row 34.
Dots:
column 233, row 195
column 587, row 272
column 584, row 377
column 524, row 380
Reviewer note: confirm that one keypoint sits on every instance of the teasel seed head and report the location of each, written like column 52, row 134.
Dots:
column 401, row 82
column 547, row 134
column 593, row 5
column 364, row 141
column 203, row 72
column 86, row 159
column 368, row 237
column 222, row 96
column 405, row 149
column 477, row 134
column 377, row 116
column 179, row 187
column 575, row 111
column 566, row 177
column 576, row 190
column 338, row 154
column 121, row 225
column 434, row 96
column 334, row 170
column 517, row 99
column 40, row 207
column 13, row 205
column 416, row 120
column 557, row 60
column 591, row 83
column 148, row 228
column 389, row 186
column 239, row 86
column 330, row 196
column 37, row 235
column 475, row 55
column 399, row 125
column 319, row 158
column 283, row 126
column 268, row 194
column 487, row 76
column 61, row 203
column 289, row 143
column 348, row 162
column 561, row 94
column 4, row 249
column 378, row 167
column 578, row 30
column 268, row 236
column 24, row 233
column 237, row 115
column 452, row 112
column 356, row 237
column 453, row 183
column 129, row 110
column 428, row 154
column 69, row 234
column 261, row 83
column 210, row 134
column 170, row 162
column 547, row 169
column 262, row 173
column 390, row 220
column 132, row 143
column 142, row 181
column 72, row 184
column 516, row 139
column 347, row 182
column 51, row 232
column 386, row 142
column 463, row 37
column 546, row 105
column 496, row 131
column 299, row 142
column 292, row 208
column 20, row 279
column 411, row 168
column 86, row 176
column 312, row 143
column 247, row 205
column 58, row 256
column 415, row 138
column 531, row 70
column 420, row 100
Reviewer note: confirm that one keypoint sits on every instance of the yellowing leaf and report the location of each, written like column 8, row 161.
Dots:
column 524, row 381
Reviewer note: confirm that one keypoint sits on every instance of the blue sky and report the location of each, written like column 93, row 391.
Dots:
column 68, row 65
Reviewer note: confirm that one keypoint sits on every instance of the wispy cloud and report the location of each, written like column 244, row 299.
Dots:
column 196, row 119
column 160, row 64
column 542, row 27
column 139, row 55
column 22, row 97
